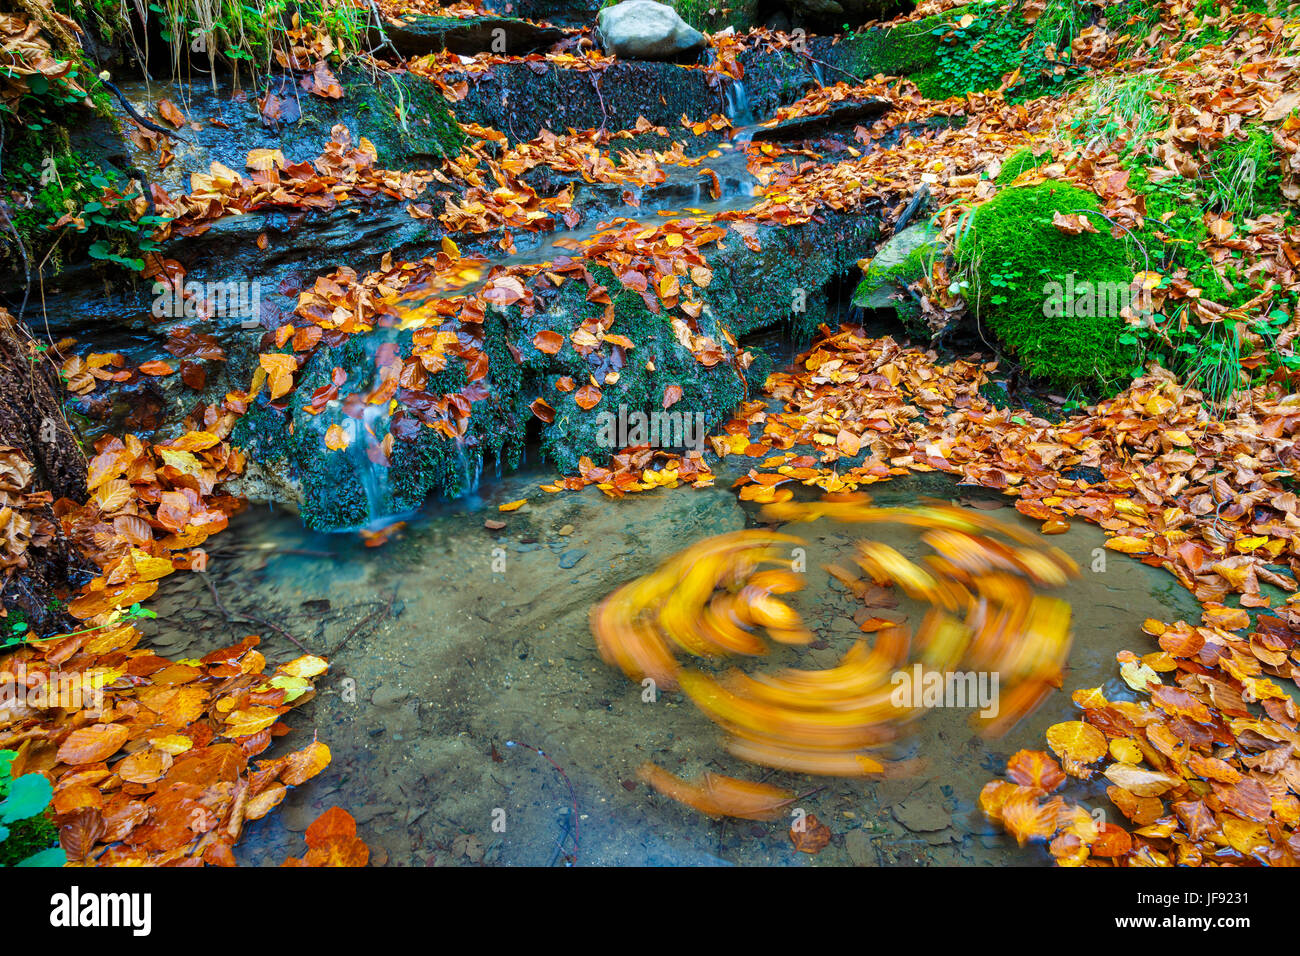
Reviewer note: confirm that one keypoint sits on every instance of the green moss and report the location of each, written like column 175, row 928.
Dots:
column 1019, row 162
column 404, row 115
column 900, row 50
column 27, row 838
column 1013, row 254
column 575, row 432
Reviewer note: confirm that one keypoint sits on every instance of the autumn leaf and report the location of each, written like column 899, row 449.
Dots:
column 542, row 409
column 169, row 111
column 587, row 397
column 548, row 342
column 336, row 439
column 91, row 744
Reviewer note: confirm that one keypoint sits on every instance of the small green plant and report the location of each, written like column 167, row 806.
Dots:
column 1121, row 111
column 1245, row 174
column 237, row 33
column 16, row 630
column 27, row 837
column 988, row 44
column 48, row 188
column 1004, row 279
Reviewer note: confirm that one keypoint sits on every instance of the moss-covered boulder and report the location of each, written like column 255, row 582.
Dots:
column 429, row 452
column 1052, row 297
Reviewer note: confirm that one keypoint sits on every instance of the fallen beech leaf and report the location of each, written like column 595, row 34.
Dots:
column 93, row 744
column 810, row 835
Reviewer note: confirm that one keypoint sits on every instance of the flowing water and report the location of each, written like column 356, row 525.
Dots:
column 458, row 653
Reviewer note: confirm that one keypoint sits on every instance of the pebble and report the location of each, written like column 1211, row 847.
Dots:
column 388, row 696
column 860, row 850
column 571, row 557
column 565, row 531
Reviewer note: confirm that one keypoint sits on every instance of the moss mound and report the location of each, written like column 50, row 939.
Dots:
column 1052, row 298
column 1021, row 161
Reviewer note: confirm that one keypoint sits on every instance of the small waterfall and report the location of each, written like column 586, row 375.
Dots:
column 736, row 104
column 364, row 437
column 471, row 467
column 818, row 73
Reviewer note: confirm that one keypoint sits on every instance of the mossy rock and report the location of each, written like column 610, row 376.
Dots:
column 402, row 114
column 901, row 50
column 1019, row 263
column 709, row 395
column 344, row 489
column 901, row 260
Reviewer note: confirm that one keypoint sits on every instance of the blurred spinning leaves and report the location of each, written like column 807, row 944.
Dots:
column 716, row 598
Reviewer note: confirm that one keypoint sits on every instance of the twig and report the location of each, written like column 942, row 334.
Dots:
column 812, row 59
column 604, row 116
column 573, row 796
column 384, row 611
column 912, row 207
column 135, row 115
column 383, row 34
column 248, row 618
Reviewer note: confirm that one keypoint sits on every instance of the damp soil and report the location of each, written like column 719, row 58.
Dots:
column 458, row 653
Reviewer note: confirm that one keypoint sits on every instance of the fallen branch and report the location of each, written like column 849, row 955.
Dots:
column 250, row 619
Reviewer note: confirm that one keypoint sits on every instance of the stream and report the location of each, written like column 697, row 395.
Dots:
column 448, row 676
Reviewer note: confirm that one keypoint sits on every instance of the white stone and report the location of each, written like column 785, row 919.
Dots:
column 645, row 30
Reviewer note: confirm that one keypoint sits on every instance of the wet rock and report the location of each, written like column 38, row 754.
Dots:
column 1084, row 473
column 645, row 30
column 388, row 696
column 564, row 13
column 923, row 812
column 230, row 123
column 859, row 847
column 519, row 102
column 468, row 36
column 840, row 117
column 571, row 557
